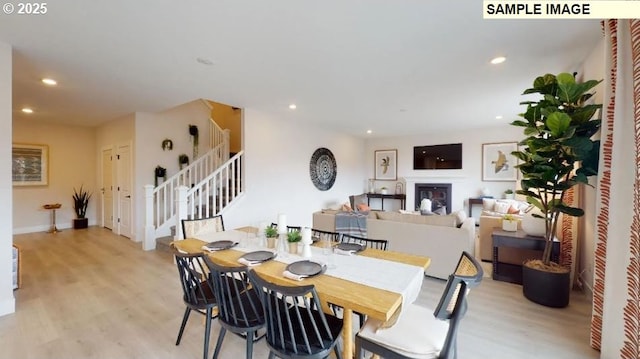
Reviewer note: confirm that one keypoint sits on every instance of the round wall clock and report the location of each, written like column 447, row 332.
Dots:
column 323, row 169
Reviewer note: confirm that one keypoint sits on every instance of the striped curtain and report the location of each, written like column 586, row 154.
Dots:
column 615, row 326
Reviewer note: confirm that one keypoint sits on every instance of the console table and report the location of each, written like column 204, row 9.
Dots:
column 473, row 201
column 510, row 272
column 382, row 197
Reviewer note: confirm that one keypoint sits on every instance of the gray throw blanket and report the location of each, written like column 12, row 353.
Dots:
column 353, row 223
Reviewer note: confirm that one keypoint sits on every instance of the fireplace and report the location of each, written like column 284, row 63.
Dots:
column 438, row 193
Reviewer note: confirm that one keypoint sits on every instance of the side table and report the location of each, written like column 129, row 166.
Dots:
column 511, row 272
column 52, row 208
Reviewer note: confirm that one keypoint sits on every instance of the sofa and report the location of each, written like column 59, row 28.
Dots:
column 441, row 238
column 491, row 219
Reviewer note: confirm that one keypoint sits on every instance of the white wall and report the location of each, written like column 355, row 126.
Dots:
column 593, row 69
column 150, row 130
column 71, row 164
column 277, row 171
column 466, row 182
column 7, row 301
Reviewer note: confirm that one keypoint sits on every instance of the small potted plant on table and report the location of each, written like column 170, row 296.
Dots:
column 271, row 233
column 509, row 223
column 293, row 238
column 80, row 203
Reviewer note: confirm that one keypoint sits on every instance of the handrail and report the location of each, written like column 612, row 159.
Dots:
column 208, row 176
column 211, row 196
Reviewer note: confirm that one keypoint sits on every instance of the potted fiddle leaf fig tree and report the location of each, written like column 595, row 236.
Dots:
column 557, row 154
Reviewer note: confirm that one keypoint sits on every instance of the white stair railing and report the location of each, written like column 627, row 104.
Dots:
column 211, row 196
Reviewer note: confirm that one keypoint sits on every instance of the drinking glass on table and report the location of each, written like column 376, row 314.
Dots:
column 327, row 250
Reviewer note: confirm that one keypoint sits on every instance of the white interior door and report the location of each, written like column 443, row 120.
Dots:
column 124, row 190
column 107, row 188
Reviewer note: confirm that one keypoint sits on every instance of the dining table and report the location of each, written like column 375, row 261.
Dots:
column 372, row 282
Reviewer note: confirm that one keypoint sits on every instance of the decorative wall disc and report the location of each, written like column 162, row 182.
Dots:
column 323, row 169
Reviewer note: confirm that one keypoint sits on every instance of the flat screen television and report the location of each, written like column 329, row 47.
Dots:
column 438, row 157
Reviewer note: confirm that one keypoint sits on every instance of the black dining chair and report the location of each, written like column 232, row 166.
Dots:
column 198, row 292
column 296, row 325
column 320, row 235
column 239, row 307
column 368, row 242
column 289, row 228
column 193, row 227
column 420, row 332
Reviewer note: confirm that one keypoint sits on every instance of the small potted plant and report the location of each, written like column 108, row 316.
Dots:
column 293, row 238
column 183, row 160
column 508, row 194
column 271, row 233
column 509, row 223
column 80, row 203
column 383, row 190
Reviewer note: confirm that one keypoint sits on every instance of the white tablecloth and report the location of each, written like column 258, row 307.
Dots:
column 378, row 273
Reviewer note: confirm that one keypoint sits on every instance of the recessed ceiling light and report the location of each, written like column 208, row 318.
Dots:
column 50, row 82
column 369, row 131
column 498, row 60
column 499, row 117
column 293, row 106
column 204, row 61
column 27, row 110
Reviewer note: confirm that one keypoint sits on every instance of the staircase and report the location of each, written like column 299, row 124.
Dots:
column 202, row 189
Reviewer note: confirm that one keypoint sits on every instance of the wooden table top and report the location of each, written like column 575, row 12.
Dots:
column 374, row 302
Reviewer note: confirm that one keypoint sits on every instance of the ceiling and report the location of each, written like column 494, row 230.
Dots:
column 395, row 67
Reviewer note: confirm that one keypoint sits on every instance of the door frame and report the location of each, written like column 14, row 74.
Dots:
column 102, row 206
column 119, row 197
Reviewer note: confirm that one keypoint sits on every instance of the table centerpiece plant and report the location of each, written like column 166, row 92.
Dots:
column 272, row 234
column 557, row 154
column 294, row 238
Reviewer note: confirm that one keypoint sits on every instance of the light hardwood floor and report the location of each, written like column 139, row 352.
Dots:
column 91, row 294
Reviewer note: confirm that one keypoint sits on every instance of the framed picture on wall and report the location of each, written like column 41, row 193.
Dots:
column 497, row 162
column 30, row 165
column 386, row 165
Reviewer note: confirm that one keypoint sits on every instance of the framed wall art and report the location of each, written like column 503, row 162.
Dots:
column 386, row 165
column 497, row 162
column 30, row 165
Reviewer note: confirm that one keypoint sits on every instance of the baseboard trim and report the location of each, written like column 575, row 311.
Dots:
column 8, row 306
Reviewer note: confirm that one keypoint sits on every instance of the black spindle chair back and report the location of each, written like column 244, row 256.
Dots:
column 198, row 292
column 239, row 307
column 296, row 325
column 369, row 242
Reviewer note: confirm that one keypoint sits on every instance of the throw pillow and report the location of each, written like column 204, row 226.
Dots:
column 346, row 208
column 442, row 211
column 461, row 216
column 502, row 207
column 425, row 205
column 362, row 207
column 513, row 210
column 488, row 204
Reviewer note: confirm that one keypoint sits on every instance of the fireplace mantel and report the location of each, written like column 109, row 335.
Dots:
column 434, row 179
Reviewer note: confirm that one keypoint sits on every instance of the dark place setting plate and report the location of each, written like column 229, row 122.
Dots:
column 220, row 245
column 352, row 247
column 306, row 268
column 259, row 256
